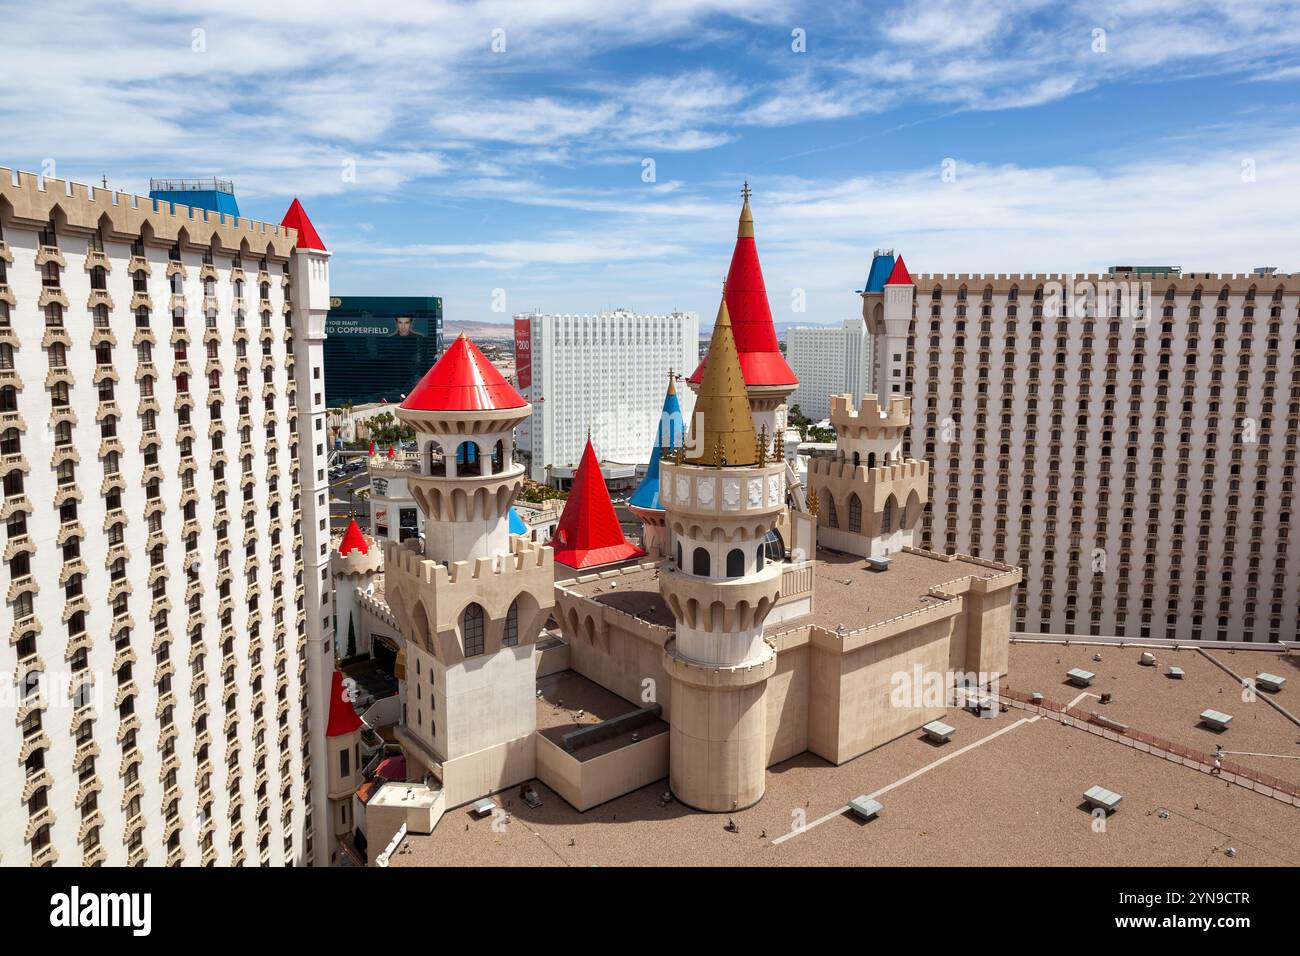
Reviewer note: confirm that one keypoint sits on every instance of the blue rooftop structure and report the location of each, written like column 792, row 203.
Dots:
column 882, row 263
column 215, row 195
column 671, row 434
column 517, row 525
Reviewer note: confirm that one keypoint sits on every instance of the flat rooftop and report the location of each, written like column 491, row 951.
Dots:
column 1014, row 798
column 848, row 592
column 845, row 590
column 568, row 701
column 1147, row 699
column 635, row 593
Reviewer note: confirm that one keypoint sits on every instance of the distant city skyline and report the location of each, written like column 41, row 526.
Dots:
column 581, row 155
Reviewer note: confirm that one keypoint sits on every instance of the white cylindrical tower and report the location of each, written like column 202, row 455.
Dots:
column 467, row 476
column 720, row 500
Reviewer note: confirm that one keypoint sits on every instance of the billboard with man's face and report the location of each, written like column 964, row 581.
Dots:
column 378, row 347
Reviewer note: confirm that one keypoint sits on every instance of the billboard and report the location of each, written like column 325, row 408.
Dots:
column 523, row 353
column 378, row 347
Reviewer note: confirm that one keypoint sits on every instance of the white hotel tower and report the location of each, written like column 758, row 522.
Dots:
column 598, row 376
column 162, row 446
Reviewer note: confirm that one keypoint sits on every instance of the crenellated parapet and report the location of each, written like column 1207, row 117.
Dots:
column 90, row 208
column 428, row 596
column 868, row 419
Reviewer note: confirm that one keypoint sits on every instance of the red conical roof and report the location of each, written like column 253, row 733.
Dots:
column 761, row 361
column 588, row 533
column 463, row 380
column 899, row 275
column 343, row 716
column 296, row 218
column 353, row 539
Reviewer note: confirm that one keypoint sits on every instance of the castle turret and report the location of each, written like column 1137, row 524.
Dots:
column 470, row 599
column 588, row 533
column 721, row 495
column 869, row 494
column 342, row 760
column 354, row 565
column 888, row 315
column 768, row 380
column 644, row 502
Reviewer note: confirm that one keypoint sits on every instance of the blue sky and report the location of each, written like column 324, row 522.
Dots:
column 1077, row 135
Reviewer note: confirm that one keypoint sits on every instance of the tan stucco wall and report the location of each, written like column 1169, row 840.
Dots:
column 587, row 783
column 489, row 770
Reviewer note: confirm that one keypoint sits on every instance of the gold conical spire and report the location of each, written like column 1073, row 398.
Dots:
column 722, row 430
column 672, row 383
column 746, row 228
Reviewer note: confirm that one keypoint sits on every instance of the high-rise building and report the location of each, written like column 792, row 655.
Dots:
column 828, row 361
column 378, row 346
column 162, row 420
column 1128, row 439
column 598, row 376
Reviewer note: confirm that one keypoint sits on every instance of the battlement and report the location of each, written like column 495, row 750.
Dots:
column 908, row 468
column 356, row 562
column 34, row 200
column 408, row 559
column 1183, row 282
column 401, row 463
column 869, row 416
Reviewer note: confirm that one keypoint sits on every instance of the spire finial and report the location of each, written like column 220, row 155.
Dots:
column 746, row 227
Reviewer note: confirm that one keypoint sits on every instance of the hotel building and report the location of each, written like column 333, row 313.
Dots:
column 168, row 588
column 598, row 376
column 828, row 361
column 1128, row 439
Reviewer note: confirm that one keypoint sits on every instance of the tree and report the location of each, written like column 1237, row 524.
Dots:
column 385, row 429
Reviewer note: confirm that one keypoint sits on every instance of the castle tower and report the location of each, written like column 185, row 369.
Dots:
column 644, row 502
column 471, row 599
column 888, row 315
column 720, row 501
column 869, row 495
column 354, row 565
column 768, row 380
column 309, row 275
column 588, row 533
column 393, row 512
column 342, row 761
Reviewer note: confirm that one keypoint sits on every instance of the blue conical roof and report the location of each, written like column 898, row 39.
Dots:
column 882, row 263
column 670, row 434
column 517, row 525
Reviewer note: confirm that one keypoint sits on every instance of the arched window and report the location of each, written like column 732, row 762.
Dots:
column 735, row 563
column 857, row 459
column 8, row 399
column 10, row 442
column 510, row 636
column 887, row 516
column 855, row 514
column 498, row 457
column 773, row 547
column 832, row 518
column 679, row 556
column 468, row 462
column 700, row 562
column 437, row 463
column 871, row 459
column 471, row 626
